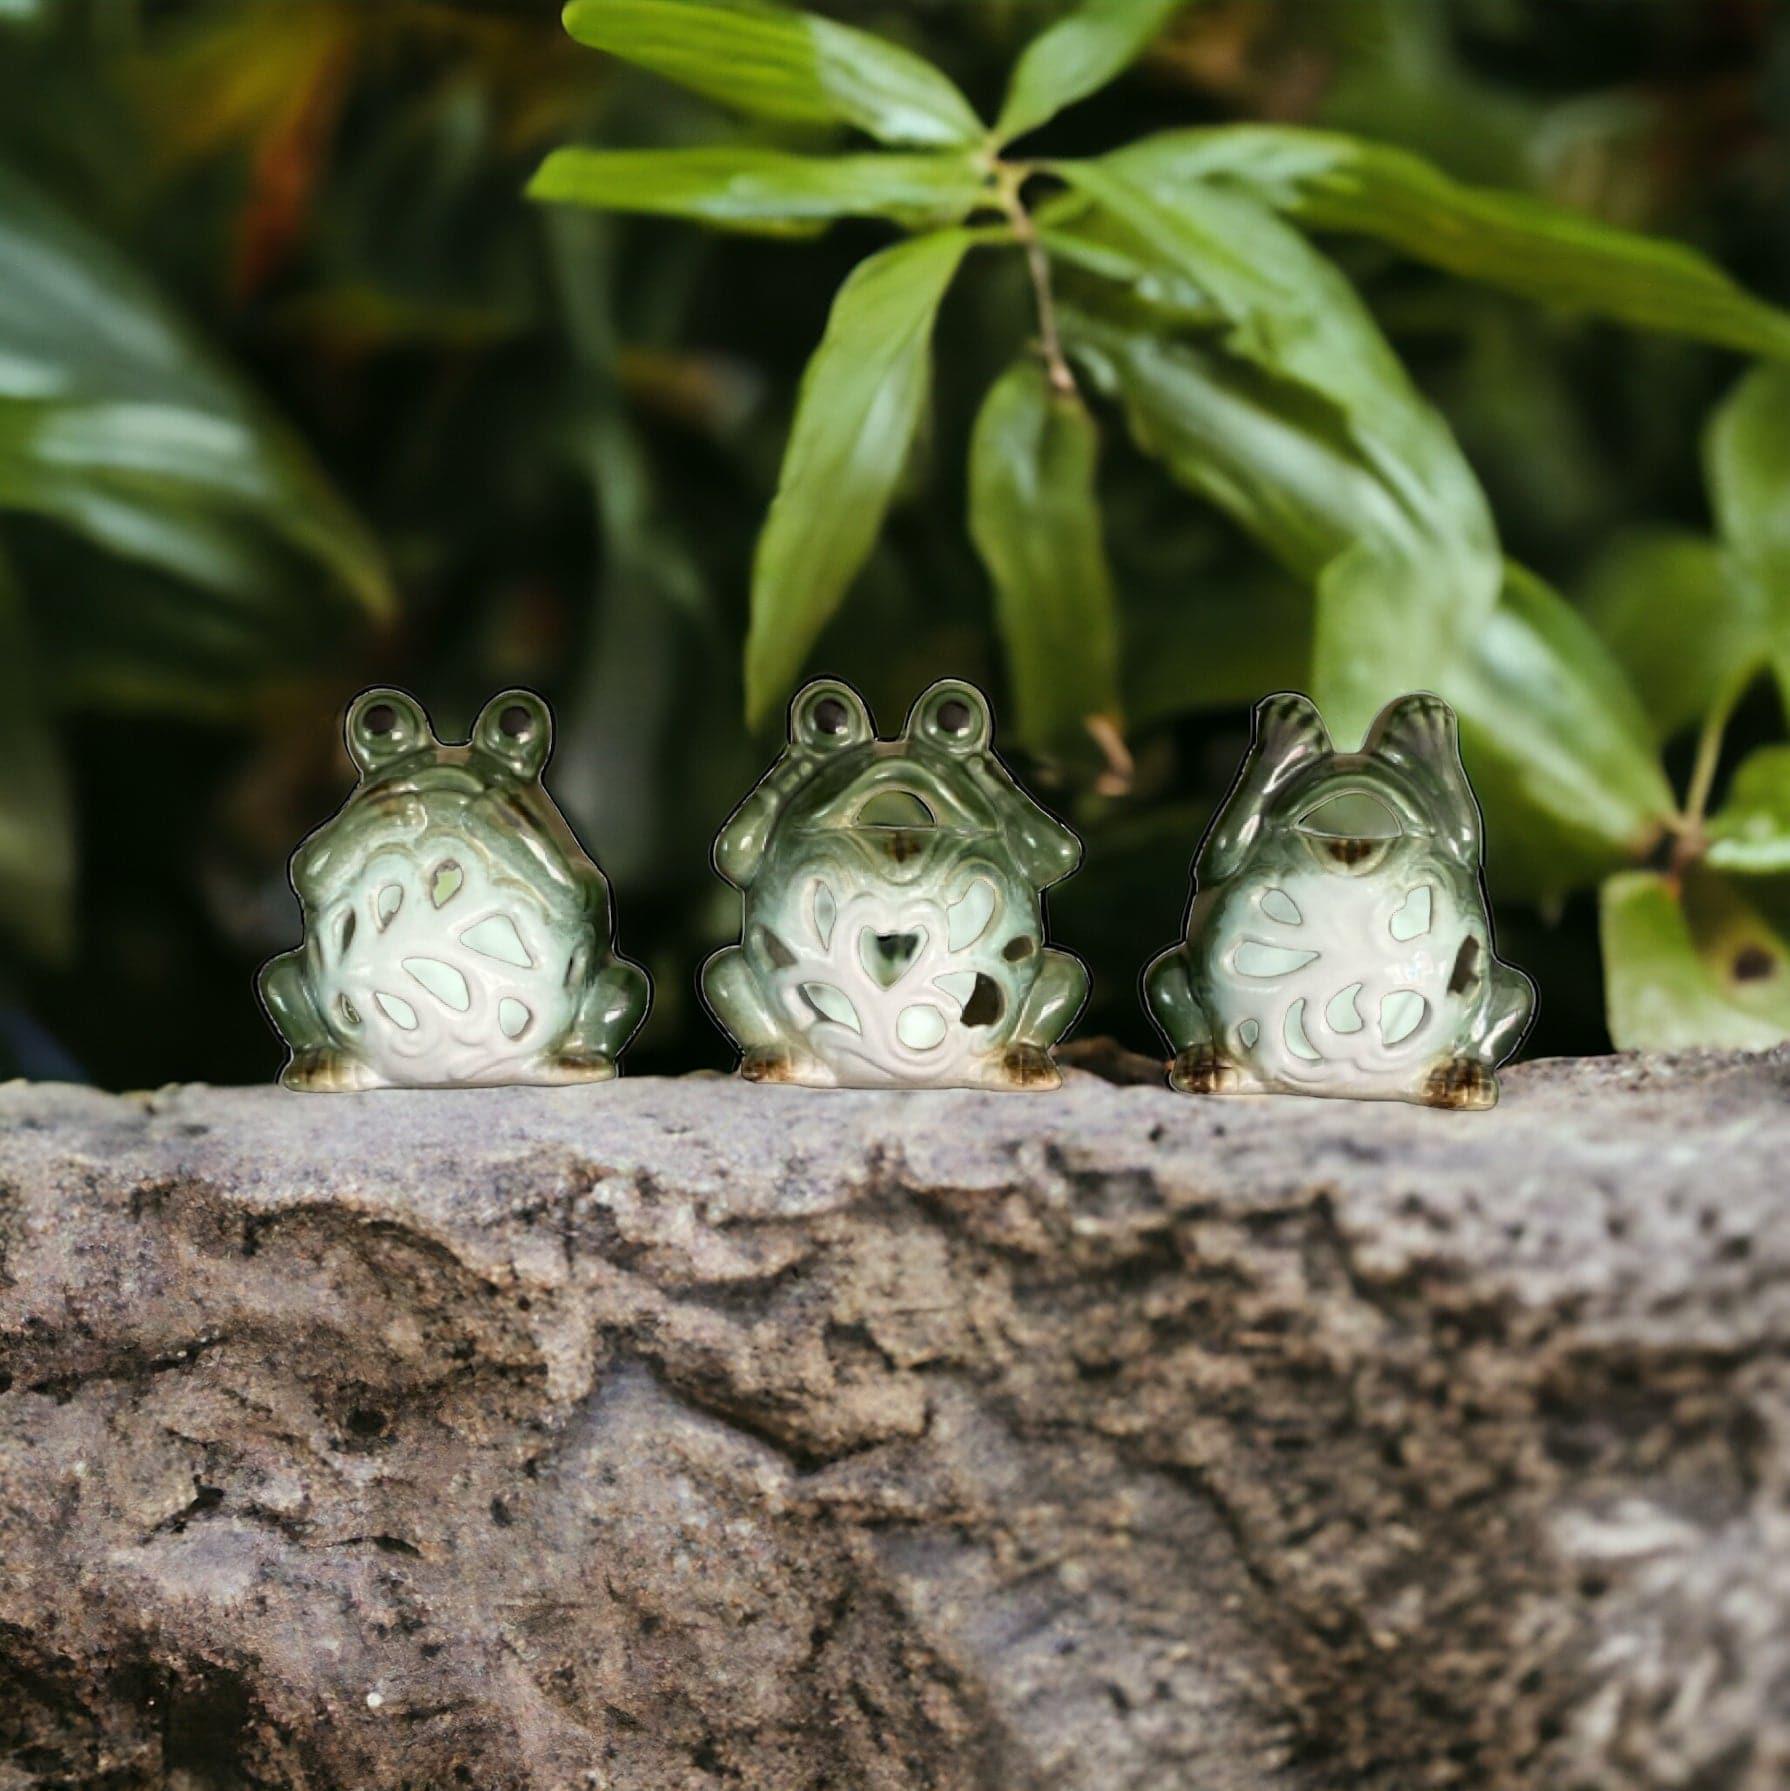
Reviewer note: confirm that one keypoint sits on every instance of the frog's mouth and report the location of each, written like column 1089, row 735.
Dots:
column 1350, row 831
column 895, row 808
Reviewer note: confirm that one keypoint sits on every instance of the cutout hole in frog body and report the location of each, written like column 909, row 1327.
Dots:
column 893, row 924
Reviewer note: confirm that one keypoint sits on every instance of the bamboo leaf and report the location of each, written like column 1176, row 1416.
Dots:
column 1406, row 577
column 793, row 66
column 766, row 191
column 1076, row 56
column 1329, row 181
column 859, row 404
column 1035, row 518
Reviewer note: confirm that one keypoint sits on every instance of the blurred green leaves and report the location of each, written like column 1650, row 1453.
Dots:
column 117, row 423
column 766, row 190
column 1035, row 517
column 36, row 818
column 794, row 67
column 1077, row 56
column 860, row 402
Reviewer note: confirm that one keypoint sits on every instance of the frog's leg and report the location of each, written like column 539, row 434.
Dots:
column 1200, row 1065
column 769, row 1050
column 1058, row 989
column 1467, row 1080
column 614, row 1004
column 317, row 1063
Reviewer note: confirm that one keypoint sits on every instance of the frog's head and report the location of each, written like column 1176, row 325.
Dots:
column 1349, row 812
column 941, row 778
column 394, row 747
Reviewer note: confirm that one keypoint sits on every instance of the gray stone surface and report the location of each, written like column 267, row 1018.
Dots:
column 673, row 1435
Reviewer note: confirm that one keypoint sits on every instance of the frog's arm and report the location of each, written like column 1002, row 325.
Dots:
column 827, row 717
column 1419, row 735
column 286, row 994
column 1289, row 735
column 1168, row 994
column 1047, row 851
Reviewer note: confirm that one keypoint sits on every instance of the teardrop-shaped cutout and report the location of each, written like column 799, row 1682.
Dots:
column 1401, row 1014
column 1280, row 906
column 1341, row 1014
column 387, row 903
column 1298, row 1041
column 967, row 918
column 1248, row 1031
column 496, row 937
column 824, row 910
column 512, row 1017
column 887, row 957
column 445, row 882
column 396, row 1009
column 442, row 981
column 832, row 1004
column 1255, row 957
column 1412, row 919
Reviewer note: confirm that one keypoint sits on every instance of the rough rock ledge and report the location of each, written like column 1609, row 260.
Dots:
column 680, row 1434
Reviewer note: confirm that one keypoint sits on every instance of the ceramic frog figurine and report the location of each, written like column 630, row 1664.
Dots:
column 455, row 931
column 1339, row 941
column 893, row 918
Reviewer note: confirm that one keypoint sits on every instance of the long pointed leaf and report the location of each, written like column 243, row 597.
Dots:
column 793, row 66
column 766, row 191
column 1747, row 454
column 1077, row 56
column 860, row 401
column 1334, row 182
column 1035, row 518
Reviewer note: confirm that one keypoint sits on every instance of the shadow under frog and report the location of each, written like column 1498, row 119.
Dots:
column 1339, row 942
column 893, row 916
column 455, row 930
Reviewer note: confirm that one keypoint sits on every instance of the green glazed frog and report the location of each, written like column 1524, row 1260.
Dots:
column 1339, row 941
column 455, row 930
column 893, row 917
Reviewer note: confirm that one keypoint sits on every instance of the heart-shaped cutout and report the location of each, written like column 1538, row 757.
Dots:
column 887, row 957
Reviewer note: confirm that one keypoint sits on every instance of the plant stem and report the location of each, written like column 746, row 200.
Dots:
column 1703, row 770
column 1009, row 179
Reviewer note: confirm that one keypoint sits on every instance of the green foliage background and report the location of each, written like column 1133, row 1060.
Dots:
column 664, row 359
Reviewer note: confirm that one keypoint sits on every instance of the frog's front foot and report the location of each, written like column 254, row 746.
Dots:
column 777, row 1063
column 576, row 1065
column 323, row 1070
column 1028, row 1067
column 1202, row 1070
column 1463, row 1083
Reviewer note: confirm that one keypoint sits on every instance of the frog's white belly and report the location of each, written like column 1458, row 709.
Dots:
column 435, row 968
column 1320, row 980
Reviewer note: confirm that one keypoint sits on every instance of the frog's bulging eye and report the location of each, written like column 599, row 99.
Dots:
column 516, row 722
column 383, row 727
column 827, row 715
column 380, row 720
column 954, row 716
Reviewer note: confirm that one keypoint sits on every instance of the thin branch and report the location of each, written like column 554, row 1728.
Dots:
column 1050, row 341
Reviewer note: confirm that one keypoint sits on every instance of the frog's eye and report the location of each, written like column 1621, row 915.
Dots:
column 827, row 715
column 383, row 726
column 954, row 715
column 516, row 726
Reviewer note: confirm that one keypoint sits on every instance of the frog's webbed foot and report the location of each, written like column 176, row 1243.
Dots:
column 1029, row 1067
column 786, row 1064
column 613, row 1006
column 1463, row 1083
column 322, row 1069
column 1203, row 1069
column 574, row 1064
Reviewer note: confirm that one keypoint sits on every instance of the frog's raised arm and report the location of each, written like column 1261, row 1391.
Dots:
column 516, row 729
column 954, row 715
column 1420, row 736
column 1289, row 735
column 383, row 726
column 826, row 717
